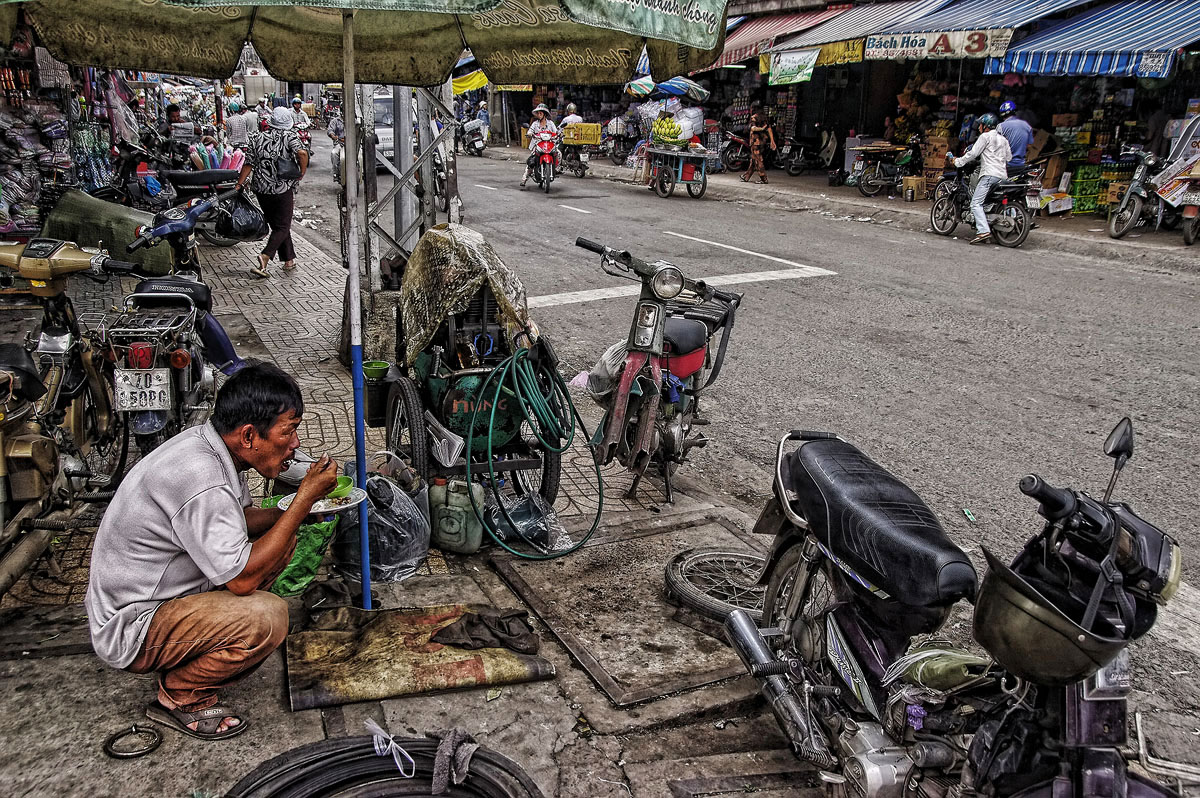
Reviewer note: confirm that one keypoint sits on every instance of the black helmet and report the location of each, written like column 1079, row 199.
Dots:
column 1028, row 617
column 988, row 120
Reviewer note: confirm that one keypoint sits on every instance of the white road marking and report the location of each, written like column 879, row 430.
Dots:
column 747, row 252
column 573, row 208
column 613, row 292
column 489, row 188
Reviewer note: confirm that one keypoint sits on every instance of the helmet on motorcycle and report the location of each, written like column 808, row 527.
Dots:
column 1030, row 619
column 988, row 121
column 1007, row 109
column 571, row 108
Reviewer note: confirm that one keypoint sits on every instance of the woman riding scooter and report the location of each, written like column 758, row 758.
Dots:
column 541, row 123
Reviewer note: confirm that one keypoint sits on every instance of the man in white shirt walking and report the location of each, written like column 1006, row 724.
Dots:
column 994, row 153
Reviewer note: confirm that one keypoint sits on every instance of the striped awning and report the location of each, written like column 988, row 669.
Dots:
column 862, row 21
column 1132, row 37
column 756, row 35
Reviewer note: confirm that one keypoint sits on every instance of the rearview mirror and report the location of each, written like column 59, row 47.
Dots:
column 1119, row 444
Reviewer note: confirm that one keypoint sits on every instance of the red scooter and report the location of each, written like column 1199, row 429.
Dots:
column 545, row 166
column 650, row 386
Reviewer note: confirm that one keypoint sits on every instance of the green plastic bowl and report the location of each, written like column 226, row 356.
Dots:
column 376, row 369
column 344, row 486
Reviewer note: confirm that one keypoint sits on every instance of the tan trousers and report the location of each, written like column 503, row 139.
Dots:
column 201, row 643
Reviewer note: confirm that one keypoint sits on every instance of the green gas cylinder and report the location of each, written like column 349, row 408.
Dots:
column 455, row 526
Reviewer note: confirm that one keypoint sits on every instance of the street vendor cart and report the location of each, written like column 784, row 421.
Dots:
column 670, row 167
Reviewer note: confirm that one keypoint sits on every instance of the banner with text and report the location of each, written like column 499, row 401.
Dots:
column 945, row 44
column 793, row 66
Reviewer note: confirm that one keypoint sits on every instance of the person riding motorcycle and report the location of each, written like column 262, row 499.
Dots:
column 994, row 153
column 1017, row 131
column 540, row 124
column 300, row 120
column 572, row 116
column 337, row 128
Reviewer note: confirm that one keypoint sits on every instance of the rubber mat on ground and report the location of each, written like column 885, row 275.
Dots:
column 370, row 655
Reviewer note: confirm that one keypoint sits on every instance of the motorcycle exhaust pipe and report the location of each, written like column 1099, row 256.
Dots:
column 795, row 721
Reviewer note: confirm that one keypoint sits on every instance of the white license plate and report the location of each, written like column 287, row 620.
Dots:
column 1190, row 198
column 583, row 156
column 1033, row 203
column 142, row 389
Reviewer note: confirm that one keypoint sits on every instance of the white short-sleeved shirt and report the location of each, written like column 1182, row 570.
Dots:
column 176, row 526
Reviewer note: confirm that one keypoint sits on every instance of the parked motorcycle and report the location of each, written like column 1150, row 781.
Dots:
column 545, row 145
column 650, row 385
column 575, row 159
column 735, row 152
column 1006, row 206
column 861, row 577
column 473, row 139
column 889, row 166
column 1189, row 205
column 622, row 139
column 811, row 154
column 1140, row 203
column 59, row 435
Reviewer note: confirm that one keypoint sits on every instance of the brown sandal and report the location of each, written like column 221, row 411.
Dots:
column 207, row 721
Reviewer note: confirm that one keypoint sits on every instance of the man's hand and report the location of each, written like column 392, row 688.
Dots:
column 320, row 479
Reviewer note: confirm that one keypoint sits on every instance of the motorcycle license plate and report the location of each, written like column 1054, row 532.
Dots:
column 1033, row 202
column 584, row 157
column 1190, row 198
column 142, row 389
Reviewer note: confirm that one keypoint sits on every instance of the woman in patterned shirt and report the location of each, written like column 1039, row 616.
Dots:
column 276, row 196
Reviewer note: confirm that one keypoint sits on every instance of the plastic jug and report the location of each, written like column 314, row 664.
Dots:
column 455, row 526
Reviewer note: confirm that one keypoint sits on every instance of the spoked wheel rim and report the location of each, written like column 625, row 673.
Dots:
column 716, row 582
column 1020, row 230
column 106, row 456
column 943, row 218
column 808, row 638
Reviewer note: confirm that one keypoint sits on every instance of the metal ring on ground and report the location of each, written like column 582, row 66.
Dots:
column 151, row 731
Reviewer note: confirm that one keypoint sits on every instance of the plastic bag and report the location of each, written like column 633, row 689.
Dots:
column 397, row 531
column 535, row 520
column 238, row 218
column 605, row 375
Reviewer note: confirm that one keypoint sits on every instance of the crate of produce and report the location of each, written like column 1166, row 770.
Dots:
column 1085, row 188
column 1085, row 204
column 1088, row 172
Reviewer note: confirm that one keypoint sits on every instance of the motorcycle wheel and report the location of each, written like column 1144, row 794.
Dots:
column 819, row 596
column 618, row 155
column 795, row 166
column 944, row 216
column 406, row 426
column 106, row 457
column 1126, row 217
column 664, row 184
column 696, row 190
column 871, row 181
column 944, row 187
column 1021, row 222
column 715, row 582
column 216, row 240
column 735, row 158
column 1191, row 230
column 547, row 176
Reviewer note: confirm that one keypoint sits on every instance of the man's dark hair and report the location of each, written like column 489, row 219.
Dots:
column 257, row 395
column 172, row 108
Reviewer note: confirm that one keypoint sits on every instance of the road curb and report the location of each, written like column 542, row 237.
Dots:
column 1040, row 240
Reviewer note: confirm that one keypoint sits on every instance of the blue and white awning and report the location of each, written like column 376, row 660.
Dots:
column 967, row 29
column 1132, row 37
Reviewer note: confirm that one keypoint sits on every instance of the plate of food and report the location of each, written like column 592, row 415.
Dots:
column 328, row 505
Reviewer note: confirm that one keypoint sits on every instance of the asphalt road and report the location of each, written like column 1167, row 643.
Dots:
column 960, row 369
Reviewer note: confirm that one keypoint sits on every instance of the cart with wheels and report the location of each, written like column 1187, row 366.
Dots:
column 672, row 167
column 461, row 316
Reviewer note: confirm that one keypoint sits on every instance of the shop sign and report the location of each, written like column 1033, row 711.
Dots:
column 1153, row 65
column 514, row 87
column 838, row 53
column 793, row 66
column 946, row 44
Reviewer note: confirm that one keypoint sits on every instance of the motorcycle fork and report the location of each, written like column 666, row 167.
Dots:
column 810, row 554
column 634, row 363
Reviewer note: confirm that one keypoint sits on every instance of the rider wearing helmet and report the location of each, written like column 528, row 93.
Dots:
column 237, row 126
column 1017, row 131
column 994, row 153
column 541, row 122
column 572, row 116
column 300, row 119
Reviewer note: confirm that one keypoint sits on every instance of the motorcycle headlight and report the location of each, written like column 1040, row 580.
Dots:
column 667, row 282
column 1174, row 575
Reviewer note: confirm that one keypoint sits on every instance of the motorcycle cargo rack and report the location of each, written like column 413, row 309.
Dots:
column 138, row 323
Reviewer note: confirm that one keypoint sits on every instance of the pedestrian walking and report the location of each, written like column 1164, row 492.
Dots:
column 273, row 154
column 761, row 136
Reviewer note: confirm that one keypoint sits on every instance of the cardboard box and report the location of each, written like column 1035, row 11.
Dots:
column 1040, row 139
column 1116, row 190
column 1055, row 202
column 1054, row 170
column 1065, row 120
column 917, row 184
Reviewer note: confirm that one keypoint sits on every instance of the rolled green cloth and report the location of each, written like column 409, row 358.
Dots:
column 311, row 542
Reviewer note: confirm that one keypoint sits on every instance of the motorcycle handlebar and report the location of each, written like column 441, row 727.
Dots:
column 1056, row 502
column 120, row 266
column 137, row 243
column 591, row 246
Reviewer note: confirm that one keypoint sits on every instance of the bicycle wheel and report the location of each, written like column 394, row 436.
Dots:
column 407, row 437
column 715, row 582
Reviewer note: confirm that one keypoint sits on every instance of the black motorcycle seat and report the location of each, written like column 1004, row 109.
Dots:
column 878, row 526
column 202, row 177
column 150, row 292
column 27, row 382
column 684, row 335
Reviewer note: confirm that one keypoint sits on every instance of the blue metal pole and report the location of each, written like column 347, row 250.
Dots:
column 354, row 306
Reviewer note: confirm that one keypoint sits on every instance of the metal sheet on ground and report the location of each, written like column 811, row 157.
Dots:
column 599, row 601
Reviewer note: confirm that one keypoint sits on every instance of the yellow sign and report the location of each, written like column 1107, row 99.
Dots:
column 470, row 82
column 849, row 52
column 514, row 87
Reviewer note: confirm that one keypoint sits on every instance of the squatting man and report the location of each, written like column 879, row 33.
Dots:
column 182, row 560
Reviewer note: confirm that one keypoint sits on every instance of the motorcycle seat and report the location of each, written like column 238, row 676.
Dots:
column 684, row 335
column 27, row 382
column 877, row 525
column 202, row 177
column 150, row 292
